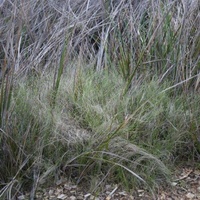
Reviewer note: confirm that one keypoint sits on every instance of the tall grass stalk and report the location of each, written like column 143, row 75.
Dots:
column 5, row 97
column 59, row 73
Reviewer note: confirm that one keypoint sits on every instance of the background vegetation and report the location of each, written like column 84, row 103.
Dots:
column 97, row 91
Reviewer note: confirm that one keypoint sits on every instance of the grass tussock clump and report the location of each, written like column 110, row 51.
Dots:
column 146, row 115
column 98, row 91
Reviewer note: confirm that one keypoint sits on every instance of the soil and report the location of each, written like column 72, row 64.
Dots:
column 185, row 185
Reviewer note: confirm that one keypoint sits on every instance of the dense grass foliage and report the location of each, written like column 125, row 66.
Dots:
column 97, row 90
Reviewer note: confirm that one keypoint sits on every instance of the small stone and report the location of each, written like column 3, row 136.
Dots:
column 190, row 195
column 62, row 196
column 87, row 195
column 80, row 197
column 72, row 198
column 92, row 197
column 52, row 197
column 174, row 183
column 51, row 192
column 58, row 191
column 21, row 197
column 123, row 193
